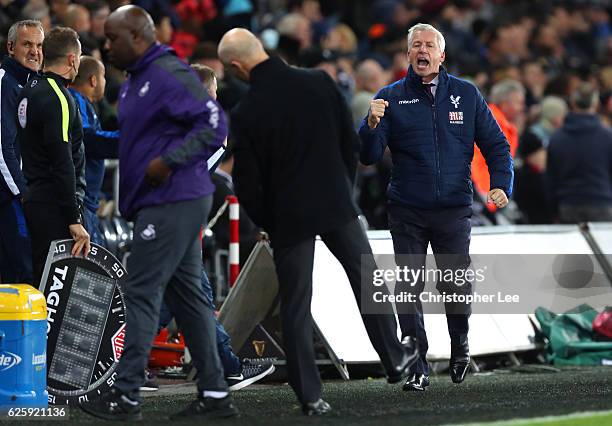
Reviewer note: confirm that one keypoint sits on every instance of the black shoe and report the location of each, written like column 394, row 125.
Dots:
column 149, row 385
column 114, row 405
column 317, row 408
column 211, row 408
column 411, row 354
column 249, row 374
column 459, row 362
column 416, row 382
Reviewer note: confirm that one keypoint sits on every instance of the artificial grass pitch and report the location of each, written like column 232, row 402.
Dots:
column 481, row 398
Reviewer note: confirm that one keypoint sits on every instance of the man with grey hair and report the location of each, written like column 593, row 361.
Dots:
column 24, row 45
column 530, row 191
column 507, row 103
column 429, row 121
column 579, row 168
column 296, row 26
column 295, row 37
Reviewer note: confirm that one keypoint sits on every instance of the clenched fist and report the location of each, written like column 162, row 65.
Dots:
column 498, row 197
column 377, row 111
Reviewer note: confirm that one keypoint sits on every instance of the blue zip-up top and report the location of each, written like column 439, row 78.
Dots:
column 99, row 145
column 13, row 76
column 432, row 144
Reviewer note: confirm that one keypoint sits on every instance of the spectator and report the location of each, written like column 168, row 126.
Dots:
column 77, row 18
column 39, row 12
column 205, row 54
column 230, row 89
column 579, row 168
column 370, row 77
column 507, row 104
column 295, row 36
column 341, row 39
column 163, row 27
column 530, row 185
column 98, row 13
column 535, row 79
column 58, row 10
column 507, row 44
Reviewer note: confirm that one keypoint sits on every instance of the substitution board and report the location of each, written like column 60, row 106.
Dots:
column 86, row 322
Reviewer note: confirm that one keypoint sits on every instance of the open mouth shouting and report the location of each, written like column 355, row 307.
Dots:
column 422, row 63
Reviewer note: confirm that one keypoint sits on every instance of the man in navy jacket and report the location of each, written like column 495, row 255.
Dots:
column 24, row 45
column 429, row 121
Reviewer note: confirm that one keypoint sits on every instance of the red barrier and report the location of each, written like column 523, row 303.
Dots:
column 234, row 242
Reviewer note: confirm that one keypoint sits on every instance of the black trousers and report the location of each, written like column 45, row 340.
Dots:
column 294, row 269
column 45, row 223
column 449, row 232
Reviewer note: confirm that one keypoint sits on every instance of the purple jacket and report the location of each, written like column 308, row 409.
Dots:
column 165, row 111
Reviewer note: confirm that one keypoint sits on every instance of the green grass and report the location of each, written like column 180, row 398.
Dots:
column 580, row 419
column 481, row 398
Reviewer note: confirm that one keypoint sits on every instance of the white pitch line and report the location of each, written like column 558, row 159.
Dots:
column 545, row 419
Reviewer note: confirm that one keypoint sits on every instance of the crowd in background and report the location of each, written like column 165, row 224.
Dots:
column 527, row 58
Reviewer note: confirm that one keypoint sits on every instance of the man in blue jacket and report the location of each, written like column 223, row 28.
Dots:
column 429, row 121
column 24, row 45
column 168, row 127
column 88, row 87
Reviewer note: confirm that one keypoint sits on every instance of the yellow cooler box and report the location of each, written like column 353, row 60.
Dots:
column 23, row 344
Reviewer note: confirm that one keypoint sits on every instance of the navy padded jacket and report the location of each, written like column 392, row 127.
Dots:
column 432, row 144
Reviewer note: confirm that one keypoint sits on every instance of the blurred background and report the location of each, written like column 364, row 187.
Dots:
column 527, row 58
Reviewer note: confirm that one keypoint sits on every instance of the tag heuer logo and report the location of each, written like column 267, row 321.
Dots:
column 118, row 341
column 455, row 117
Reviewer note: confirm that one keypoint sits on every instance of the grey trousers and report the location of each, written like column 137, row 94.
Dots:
column 166, row 262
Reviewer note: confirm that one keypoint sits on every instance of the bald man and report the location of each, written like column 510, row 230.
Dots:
column 294, row 175
column 169, row 126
